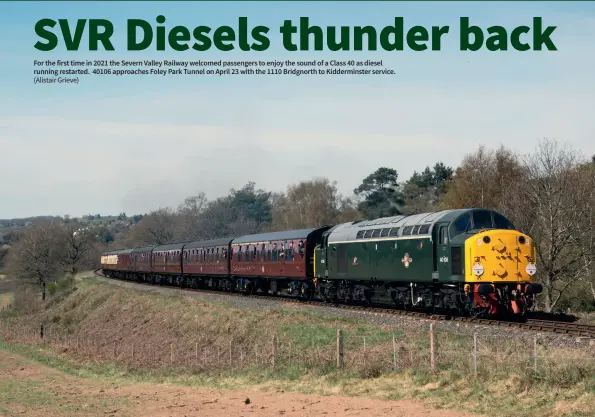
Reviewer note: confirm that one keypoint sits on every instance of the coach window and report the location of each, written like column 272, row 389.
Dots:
column 239, row 254
column 290, row 254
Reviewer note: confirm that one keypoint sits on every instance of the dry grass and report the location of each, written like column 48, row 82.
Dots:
column 109, row 331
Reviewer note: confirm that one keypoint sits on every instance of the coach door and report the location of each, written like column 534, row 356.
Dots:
column 441, row 252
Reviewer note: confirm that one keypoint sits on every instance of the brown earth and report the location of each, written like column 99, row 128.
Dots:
column 32, row 389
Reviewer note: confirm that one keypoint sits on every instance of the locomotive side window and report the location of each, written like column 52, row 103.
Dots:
column 407, row 230
column 360, row 234
column 442, row 236
column 376, row 232
column 394, row 231
column 384, row 232
column 415, row 230
column 423, row 230
column 368, row 233
column 482, row 220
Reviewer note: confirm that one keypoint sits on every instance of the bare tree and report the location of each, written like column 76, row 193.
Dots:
column 553, row 203
column 156, row 228
column 190, row 217
column 306, row 204
column 78, row 242
column 37, row 256
column 483, row 179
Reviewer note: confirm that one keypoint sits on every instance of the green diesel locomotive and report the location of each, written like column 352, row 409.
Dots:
column 469, row 261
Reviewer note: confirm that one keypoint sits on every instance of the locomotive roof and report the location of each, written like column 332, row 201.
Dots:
column 267, row 237
column 348, row 231
column 208, row 243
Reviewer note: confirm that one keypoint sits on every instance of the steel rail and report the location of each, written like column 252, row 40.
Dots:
column 549, row 326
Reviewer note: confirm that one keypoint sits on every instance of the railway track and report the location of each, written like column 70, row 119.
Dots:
column 549, row 326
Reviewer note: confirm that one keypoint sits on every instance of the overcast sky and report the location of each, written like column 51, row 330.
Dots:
column 134, row 144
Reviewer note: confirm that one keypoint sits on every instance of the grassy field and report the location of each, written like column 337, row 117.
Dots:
column 109, row 333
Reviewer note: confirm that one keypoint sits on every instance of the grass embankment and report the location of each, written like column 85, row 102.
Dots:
column 104, row 331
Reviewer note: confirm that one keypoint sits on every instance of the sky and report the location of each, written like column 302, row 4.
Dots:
column 135, row 144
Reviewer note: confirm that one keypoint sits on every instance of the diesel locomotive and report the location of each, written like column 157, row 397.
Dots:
column 466, row 262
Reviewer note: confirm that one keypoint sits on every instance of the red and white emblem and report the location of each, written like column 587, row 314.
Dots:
column 406, row 260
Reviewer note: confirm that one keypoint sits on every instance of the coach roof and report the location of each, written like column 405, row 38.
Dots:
column 170, row 246
column 144, row 249
column 209, row 243
column 272, row 236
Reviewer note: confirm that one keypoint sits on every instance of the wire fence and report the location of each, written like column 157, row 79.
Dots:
column 371, row 354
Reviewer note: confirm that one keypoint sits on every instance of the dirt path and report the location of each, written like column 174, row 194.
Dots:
column 31, row 389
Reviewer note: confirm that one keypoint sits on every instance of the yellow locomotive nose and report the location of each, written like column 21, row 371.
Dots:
column 500, row 256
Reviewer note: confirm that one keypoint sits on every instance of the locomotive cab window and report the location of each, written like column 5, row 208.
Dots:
column 462, row 225
column 501, row 222
column 482, row 219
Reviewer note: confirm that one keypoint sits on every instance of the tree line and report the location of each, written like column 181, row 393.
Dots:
column 548, row 193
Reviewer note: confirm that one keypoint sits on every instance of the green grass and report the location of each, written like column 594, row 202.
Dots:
column 114, row 313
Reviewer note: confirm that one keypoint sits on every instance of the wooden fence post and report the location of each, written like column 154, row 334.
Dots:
column 475, row 354
column 432, row 359
column 394, row 354
column 535, row 353
column 274, row 350
column 340, row 357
